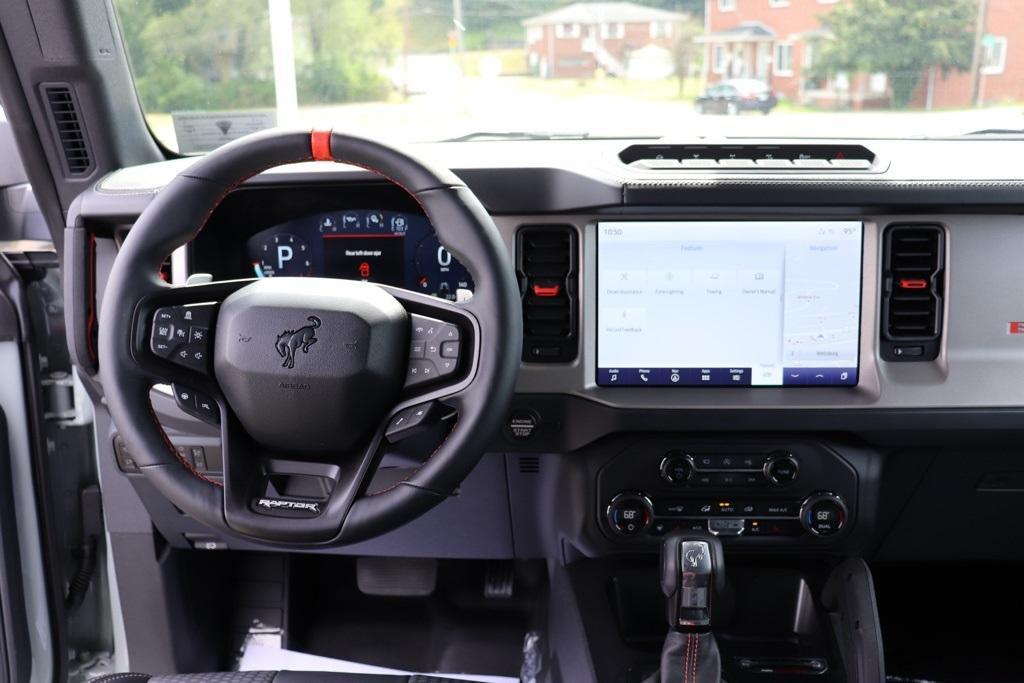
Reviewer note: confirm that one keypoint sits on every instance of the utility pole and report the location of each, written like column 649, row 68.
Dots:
column 979, row 37
column 282, row 48
column 460, row 27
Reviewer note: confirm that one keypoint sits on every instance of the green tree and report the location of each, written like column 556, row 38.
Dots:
column 216, row 54
column 901, row 38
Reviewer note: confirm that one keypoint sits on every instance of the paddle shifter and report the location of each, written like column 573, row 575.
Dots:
column 692, row 572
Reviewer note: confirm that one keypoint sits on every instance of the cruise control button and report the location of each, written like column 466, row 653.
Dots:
column 162, row 348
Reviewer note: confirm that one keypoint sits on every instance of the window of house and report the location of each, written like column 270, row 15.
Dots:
column 567, row 30
column 783, row 62
column 719, row 56
column 661, row 29
column 993, row 55
column 878, row 83
column 778, row 3
column 726, row 5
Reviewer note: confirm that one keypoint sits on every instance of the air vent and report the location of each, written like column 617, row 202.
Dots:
column 791, row 158
column 529, row 464
column 67, row 126
column 546, row 260
column 912, row 292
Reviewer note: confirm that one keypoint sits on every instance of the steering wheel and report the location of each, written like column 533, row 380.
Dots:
column 309, row 378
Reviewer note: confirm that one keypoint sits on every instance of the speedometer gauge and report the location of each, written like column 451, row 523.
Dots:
column 280, row 255
column 438, row 272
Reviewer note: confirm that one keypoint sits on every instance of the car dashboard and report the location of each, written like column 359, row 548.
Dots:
column 875, row 345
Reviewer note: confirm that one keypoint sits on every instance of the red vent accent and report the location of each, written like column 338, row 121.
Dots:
column 546, row 291
column 913, row 284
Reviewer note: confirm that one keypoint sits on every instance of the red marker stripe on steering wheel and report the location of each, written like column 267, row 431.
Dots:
column 320, row 145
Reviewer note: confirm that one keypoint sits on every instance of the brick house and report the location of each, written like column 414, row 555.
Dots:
column 774, row 41
column 620, row 38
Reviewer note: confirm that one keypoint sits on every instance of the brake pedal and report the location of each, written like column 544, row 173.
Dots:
column 499, row 580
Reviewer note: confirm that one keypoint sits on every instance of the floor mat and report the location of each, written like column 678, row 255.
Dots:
column 258, row 657
column 454, row 629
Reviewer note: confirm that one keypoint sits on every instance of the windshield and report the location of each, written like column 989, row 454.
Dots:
column 208, row 71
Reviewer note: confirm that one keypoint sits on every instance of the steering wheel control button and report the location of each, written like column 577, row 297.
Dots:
column 676, row 468
column 424, row 328
column 629, row 514
column 450, row 349
column 823, row 514
column 781, row 468
column 433, row 351
column 421, row 372
column 410, row 421
column 181, row 335
column 196, row 404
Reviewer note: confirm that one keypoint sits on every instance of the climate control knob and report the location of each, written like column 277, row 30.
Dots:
column 629, row 514
column 823, row 514
column 781, row 468
column 676, row 468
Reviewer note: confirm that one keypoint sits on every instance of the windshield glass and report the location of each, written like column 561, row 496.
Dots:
column 208, row 71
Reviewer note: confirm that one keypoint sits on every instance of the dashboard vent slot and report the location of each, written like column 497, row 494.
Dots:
column 529, row 464
column 546, row 261
column 912, row 292
column 752, row 158
column 67, row 125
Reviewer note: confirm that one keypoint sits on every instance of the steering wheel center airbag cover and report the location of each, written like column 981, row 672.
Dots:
column 310, row 365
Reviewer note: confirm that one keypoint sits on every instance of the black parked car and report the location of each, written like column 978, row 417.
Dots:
column 735, row 96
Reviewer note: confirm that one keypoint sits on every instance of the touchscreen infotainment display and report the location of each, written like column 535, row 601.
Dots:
column 720, row 303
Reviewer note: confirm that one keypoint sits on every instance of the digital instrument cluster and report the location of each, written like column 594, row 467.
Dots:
column 386, row 247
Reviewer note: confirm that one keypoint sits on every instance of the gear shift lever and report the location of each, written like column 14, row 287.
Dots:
column 692, row 572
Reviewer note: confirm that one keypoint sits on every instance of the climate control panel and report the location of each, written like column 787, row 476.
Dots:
column 821, row 514
column 797, row 491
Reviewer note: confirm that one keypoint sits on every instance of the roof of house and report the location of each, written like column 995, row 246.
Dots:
column 747, row 31
column 604, row 12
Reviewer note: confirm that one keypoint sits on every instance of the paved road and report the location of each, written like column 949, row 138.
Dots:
column 456, row 107
column 515, row 105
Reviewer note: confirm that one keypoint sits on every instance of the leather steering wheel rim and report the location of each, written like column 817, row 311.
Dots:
column 176, row 216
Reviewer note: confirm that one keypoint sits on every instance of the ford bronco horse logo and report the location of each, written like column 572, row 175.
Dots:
column 290, row 341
